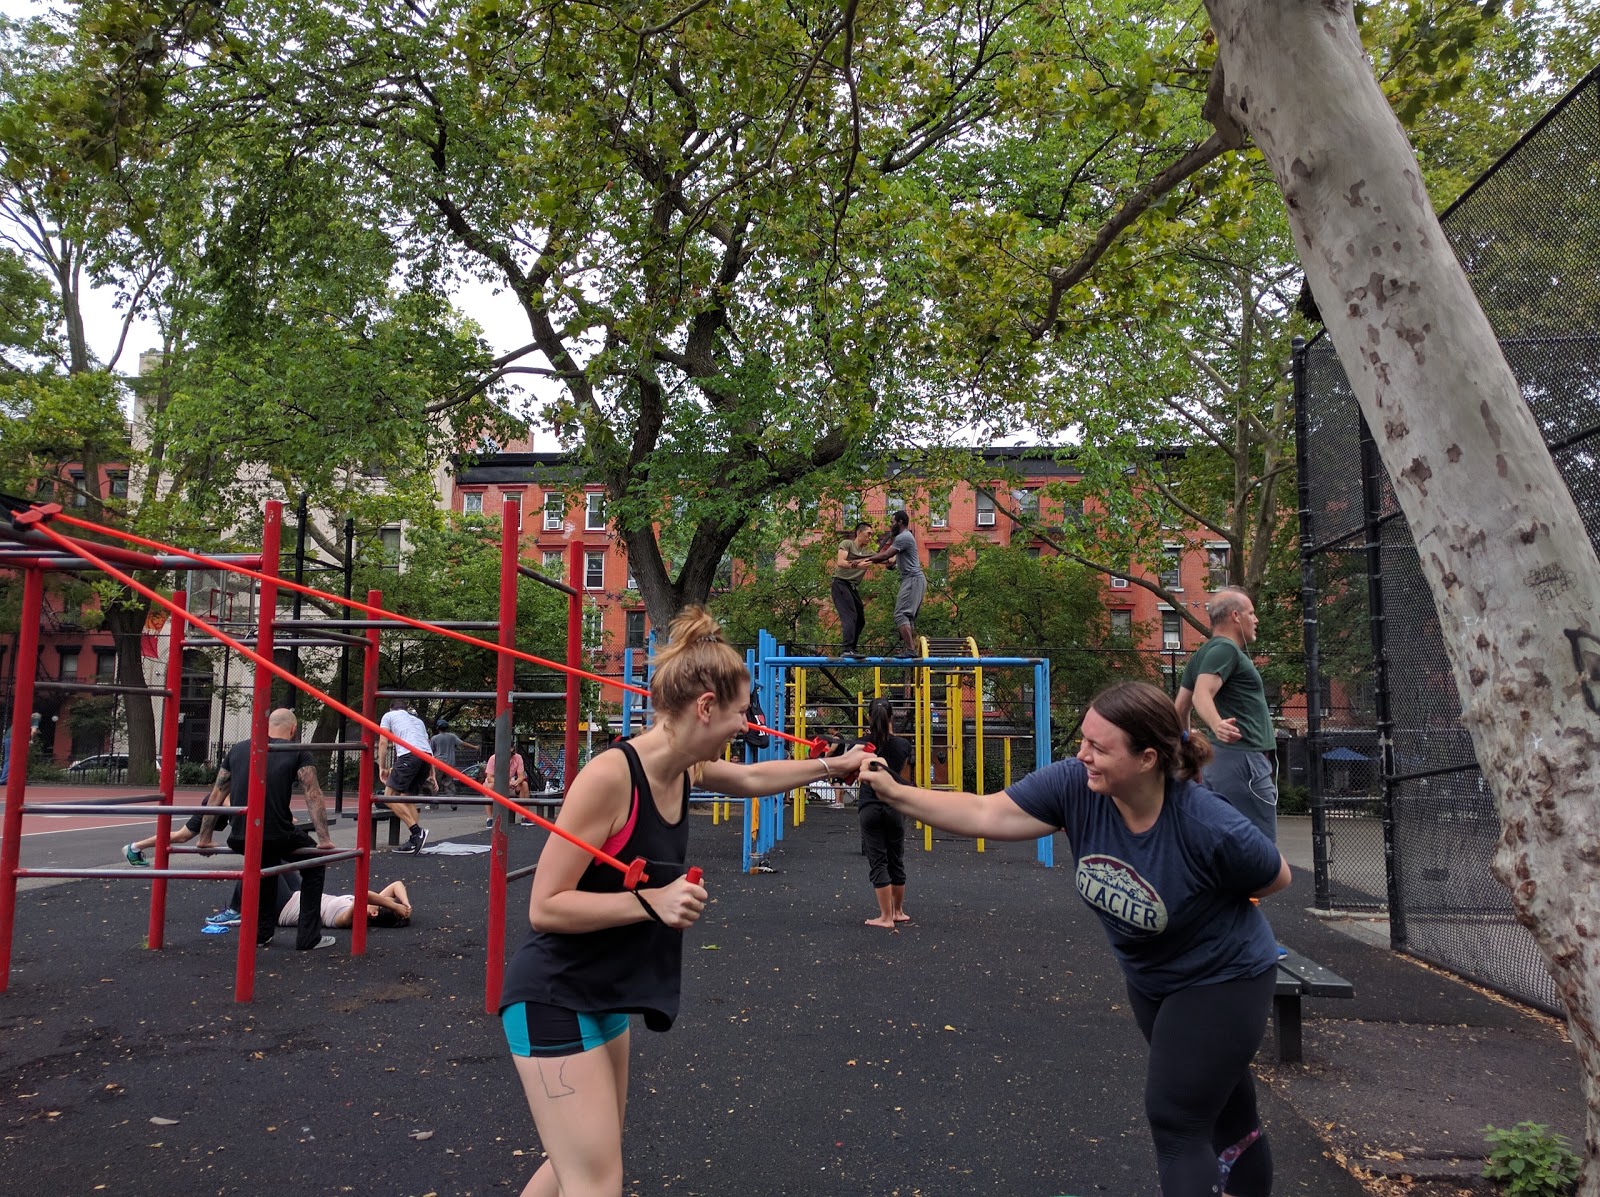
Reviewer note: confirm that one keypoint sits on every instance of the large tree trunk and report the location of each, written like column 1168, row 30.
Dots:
column 1513, row 574
column 124, row 619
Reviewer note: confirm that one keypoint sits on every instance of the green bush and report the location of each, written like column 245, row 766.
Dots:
column 1530, row 1161
column 1293, row 800
column 195, row 773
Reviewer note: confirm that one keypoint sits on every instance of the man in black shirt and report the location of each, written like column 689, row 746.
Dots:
column 280, row 838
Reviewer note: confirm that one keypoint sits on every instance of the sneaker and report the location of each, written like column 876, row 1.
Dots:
column 327, row 941
column 134, row 856
column 419, row 837
column 488, row 822
column 1283, row 952
column 214, row 928
column 224, row 918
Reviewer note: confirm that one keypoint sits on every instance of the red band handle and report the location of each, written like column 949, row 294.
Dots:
column 694, row 874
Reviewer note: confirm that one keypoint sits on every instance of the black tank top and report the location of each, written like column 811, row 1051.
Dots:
column 633, row 969
column 895, row 754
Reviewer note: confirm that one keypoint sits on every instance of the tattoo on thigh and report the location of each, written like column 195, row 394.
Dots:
column 552, row 1073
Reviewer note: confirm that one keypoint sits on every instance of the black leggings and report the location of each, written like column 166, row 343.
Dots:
column 883, row 835
column 1199, row 1094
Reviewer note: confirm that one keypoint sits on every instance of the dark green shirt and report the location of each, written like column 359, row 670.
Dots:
column 1242, row 697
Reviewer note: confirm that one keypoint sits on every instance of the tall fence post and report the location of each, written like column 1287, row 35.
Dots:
column 1371, row 501
column 367, row 772
column 569, row 743
column 504, row 678
column 1323, row 899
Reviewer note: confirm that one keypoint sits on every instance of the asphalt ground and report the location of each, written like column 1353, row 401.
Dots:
column 984, row 1049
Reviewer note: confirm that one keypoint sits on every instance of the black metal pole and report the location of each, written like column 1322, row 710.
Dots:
column 1308, row 630
column 1372, row 475
column 344, row 666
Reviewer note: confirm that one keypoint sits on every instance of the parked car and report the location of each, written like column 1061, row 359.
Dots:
column 101, row 767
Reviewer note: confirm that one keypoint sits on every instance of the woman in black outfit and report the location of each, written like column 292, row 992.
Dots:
column 883, row 831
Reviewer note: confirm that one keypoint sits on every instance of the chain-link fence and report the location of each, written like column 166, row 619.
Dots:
column 1417, row 836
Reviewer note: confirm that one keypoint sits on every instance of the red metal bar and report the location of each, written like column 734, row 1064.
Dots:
column 505, row 667
column 369, row 767
column 244, row 976
column 156, row 936
column 27, row 660
column 569, row 749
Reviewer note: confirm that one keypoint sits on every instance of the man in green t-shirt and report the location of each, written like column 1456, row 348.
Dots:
column 849, row 568
column 1221, row 684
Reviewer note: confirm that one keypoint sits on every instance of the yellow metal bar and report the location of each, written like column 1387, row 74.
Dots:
column 800, row 730
column 1007, row 743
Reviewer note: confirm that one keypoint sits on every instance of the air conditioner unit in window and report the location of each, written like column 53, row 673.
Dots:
column 552, row 521
column 1119, row 583
column 985, row 519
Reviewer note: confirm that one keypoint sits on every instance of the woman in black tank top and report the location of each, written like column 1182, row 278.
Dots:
column 598, row 952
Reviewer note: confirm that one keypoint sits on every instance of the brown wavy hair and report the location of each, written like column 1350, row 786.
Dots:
column 1149, row 720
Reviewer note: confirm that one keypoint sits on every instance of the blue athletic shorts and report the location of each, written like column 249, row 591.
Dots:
column 534, row 1029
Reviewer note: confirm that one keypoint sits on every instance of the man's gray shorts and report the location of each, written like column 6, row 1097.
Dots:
column 1244, row 777
column 909, row 601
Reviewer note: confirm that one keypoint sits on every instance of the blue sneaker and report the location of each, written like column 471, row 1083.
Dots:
column 215, row 929
column 224, row 918
column 1283, row 952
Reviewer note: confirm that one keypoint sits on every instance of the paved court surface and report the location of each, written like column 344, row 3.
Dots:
column 985, row 1050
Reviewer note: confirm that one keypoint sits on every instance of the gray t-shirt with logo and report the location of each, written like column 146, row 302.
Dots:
column 1175, row 899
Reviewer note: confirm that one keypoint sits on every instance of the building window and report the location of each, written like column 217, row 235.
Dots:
column 850, row 512
column 105, row 664
column 939, row 515
column 1027, row 501
column 80, row 490
column 555, row 510
column 1033, row 551
column 893, row 503
column 1172, row 568
column 389, row 541
column 985, row 510
column 939, row 564
column 118, row 481
column 1122, row 624
column 554, row 559
column 594, row 571
column 636, row 632
column 594, row 624
column 69, row 664
column 1171, row 631
column 1217, row 566
column 594, row 511
column 472, row 504
column 633, row 582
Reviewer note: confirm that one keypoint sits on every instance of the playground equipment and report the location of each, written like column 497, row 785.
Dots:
column 951, row 692
column 45, row 548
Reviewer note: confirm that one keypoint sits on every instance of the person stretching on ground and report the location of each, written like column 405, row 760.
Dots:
column 406, row 776
column 134, row 852
column 1170, row 869
column 598, row 953
column 388, row 907
column 883, row 831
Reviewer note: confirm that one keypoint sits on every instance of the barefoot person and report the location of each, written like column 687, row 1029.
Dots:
column 598, row 953
column 883, row 831
column 1170, row 869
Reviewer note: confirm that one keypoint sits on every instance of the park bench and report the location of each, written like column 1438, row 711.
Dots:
column 1300, row 978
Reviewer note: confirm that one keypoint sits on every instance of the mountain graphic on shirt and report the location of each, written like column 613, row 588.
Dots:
column 1115, row 889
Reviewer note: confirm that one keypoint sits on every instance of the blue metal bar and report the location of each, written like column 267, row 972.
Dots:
column 903, row 662
column 1046, row 847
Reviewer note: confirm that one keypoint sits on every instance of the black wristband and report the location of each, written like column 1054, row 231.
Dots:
column 648, row 909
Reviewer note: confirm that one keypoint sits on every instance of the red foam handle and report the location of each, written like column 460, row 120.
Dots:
column 635, row 874
column 694, row 874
